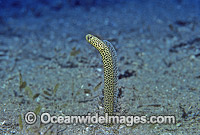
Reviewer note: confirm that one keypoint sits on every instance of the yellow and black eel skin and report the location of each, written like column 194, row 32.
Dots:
column 109, row 58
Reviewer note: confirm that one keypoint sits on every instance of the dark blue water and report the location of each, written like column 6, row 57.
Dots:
column 20, row 8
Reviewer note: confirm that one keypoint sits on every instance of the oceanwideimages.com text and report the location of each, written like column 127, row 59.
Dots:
column 46, row 118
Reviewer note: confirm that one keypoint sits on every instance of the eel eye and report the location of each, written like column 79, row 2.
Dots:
column 89, row 37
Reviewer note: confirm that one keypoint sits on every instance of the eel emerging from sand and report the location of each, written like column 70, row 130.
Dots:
column 109, row 58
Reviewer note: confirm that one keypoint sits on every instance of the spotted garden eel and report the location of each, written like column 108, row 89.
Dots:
column 109, row 58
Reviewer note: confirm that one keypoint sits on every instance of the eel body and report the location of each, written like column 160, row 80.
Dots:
column 109, row 58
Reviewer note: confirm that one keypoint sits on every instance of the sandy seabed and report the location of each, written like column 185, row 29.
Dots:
column 158, row 52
